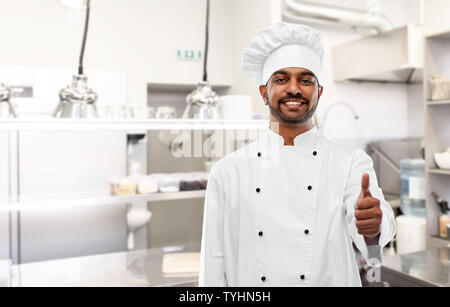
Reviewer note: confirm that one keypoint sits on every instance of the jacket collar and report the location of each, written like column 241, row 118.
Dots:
column 308, row 138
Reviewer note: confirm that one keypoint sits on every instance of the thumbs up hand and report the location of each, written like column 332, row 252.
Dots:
column 368, row 213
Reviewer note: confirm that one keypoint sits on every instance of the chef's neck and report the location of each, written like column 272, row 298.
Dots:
column 289, row 131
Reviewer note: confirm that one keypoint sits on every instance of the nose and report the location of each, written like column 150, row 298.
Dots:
column 293, row 87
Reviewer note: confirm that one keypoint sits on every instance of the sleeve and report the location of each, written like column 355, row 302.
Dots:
column 212, row 265
column 361, row 164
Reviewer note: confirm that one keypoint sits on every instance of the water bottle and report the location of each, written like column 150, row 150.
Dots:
column 412, row 173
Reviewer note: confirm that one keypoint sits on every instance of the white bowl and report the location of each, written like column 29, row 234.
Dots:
column 442, row 160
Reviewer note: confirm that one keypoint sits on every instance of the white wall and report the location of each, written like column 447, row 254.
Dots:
column 414, row 11
column 137, row 37
column 436, row 14
column 249, row 17
column 416, row 109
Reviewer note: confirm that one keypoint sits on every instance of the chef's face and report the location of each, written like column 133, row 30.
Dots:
column 292, row 95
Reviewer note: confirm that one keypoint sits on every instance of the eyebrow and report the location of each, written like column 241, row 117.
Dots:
column 285, row 73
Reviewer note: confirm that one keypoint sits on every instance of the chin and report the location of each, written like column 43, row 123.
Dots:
column 287, row 117
column 292, row 121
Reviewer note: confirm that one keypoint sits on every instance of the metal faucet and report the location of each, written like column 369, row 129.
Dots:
column 321, row 125
column 374, row 148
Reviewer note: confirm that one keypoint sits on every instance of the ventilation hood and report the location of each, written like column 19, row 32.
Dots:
column 394, row 56
column 311, row 11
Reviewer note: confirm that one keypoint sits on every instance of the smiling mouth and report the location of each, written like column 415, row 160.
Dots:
column 294, row 103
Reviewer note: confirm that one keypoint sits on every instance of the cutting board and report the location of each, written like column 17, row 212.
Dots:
column 181, row 263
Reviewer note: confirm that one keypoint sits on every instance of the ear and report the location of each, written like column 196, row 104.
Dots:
column 320, row 90
column 263, row 92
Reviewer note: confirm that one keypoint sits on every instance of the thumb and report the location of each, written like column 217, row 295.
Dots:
column 365, row 186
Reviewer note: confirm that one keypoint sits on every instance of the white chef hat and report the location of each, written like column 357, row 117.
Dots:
column 280, row 46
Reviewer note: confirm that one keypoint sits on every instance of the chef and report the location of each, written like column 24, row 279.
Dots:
column 285, row 209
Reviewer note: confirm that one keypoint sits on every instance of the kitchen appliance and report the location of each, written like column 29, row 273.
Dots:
column 202, row 103
column 78, row 100
column 306, row 12
column 391, row 56
column 6, row 108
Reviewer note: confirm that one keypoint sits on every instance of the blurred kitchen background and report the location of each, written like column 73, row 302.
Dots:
column 100, row 195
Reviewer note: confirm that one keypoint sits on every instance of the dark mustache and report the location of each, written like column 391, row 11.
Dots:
column 292, row 96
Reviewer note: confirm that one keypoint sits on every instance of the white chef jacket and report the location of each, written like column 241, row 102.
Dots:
column 279, row 215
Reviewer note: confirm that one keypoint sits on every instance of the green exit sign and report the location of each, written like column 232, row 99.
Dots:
column 187, row 54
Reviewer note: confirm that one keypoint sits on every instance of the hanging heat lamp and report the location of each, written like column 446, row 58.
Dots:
column 5, row 96
column 77, row 100
column 202, row 102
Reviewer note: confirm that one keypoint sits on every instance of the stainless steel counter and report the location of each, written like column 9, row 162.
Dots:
column 426, row 268
column 144, row 268
column 137, row 269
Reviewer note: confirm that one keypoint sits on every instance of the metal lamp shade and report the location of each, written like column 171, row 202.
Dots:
column 5, row 103
column 77, row 100
column 202, row 103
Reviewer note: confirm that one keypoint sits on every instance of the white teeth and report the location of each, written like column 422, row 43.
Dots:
column 293, row 103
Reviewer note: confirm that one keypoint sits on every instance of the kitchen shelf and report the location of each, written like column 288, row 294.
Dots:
column 53, row 124
column 438, row 102
column 442, row 239
column 438, row 171
column 440, row 34
column 437, row 128
column 100, row 198
column 436, row 240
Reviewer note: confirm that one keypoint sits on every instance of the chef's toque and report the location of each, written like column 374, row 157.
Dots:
column 283, row 45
